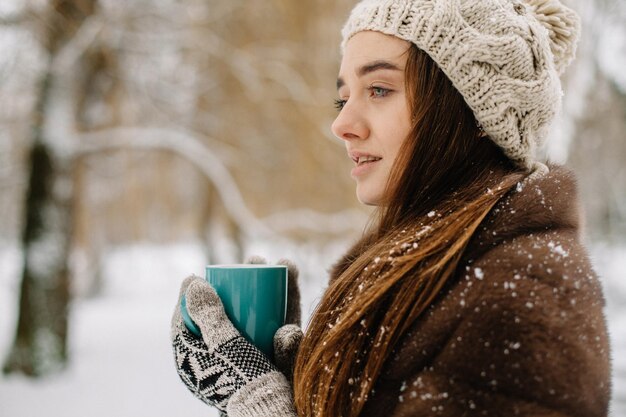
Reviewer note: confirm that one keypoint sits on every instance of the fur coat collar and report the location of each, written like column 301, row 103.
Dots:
column 520, row 330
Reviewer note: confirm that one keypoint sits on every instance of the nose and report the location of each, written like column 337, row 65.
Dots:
column 350, row 124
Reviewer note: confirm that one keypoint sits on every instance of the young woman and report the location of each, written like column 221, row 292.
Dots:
column 471, row 294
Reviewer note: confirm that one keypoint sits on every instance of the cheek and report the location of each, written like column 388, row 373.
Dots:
column 399, row 128
column 397, row 136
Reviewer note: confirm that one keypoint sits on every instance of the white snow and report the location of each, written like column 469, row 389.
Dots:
column 10, row 7
column 478, row 272
column 121, row 361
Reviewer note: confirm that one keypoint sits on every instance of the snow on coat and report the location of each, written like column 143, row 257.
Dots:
column 520, row 329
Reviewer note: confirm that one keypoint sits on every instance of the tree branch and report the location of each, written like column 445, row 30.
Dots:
column 16, row 19
column 191, row 148
column 78, row 45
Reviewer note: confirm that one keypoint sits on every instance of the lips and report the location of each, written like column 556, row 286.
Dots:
column 360, row 158
column 365, row 159
column 364, row 162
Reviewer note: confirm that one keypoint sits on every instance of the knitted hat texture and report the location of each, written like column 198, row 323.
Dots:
column 503, row 56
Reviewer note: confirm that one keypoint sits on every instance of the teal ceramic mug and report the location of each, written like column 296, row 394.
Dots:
column 254, row 298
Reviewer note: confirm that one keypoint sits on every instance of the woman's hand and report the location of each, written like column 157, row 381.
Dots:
column 222, row 368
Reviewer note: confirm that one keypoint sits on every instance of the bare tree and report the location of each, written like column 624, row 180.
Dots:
column 40, row 344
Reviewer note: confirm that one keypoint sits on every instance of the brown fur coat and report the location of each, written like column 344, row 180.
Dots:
column 519, row 332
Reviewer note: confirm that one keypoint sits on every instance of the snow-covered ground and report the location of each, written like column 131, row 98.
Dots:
column 121, row 361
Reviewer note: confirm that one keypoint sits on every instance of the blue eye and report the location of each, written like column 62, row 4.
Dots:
column 375, row 92
column 339, row 104
column 379, row 92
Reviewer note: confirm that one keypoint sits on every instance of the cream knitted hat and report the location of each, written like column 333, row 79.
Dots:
column 504, row 56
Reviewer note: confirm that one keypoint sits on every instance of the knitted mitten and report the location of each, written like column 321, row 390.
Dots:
column 223, row 369
column 286, row 343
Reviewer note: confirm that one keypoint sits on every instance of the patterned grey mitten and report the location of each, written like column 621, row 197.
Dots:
column 286, row 343
column 287, row 338
column 223, row 369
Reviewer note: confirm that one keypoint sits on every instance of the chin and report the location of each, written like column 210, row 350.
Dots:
column 368, row 198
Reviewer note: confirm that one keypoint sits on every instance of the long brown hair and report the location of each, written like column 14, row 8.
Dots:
column 445, row 181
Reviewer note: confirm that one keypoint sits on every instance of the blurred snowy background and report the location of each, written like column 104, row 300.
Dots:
column 140, row 140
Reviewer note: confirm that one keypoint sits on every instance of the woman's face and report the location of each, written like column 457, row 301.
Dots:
column 374, row 118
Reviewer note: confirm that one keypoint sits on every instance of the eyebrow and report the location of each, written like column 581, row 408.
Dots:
column 369, row 68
